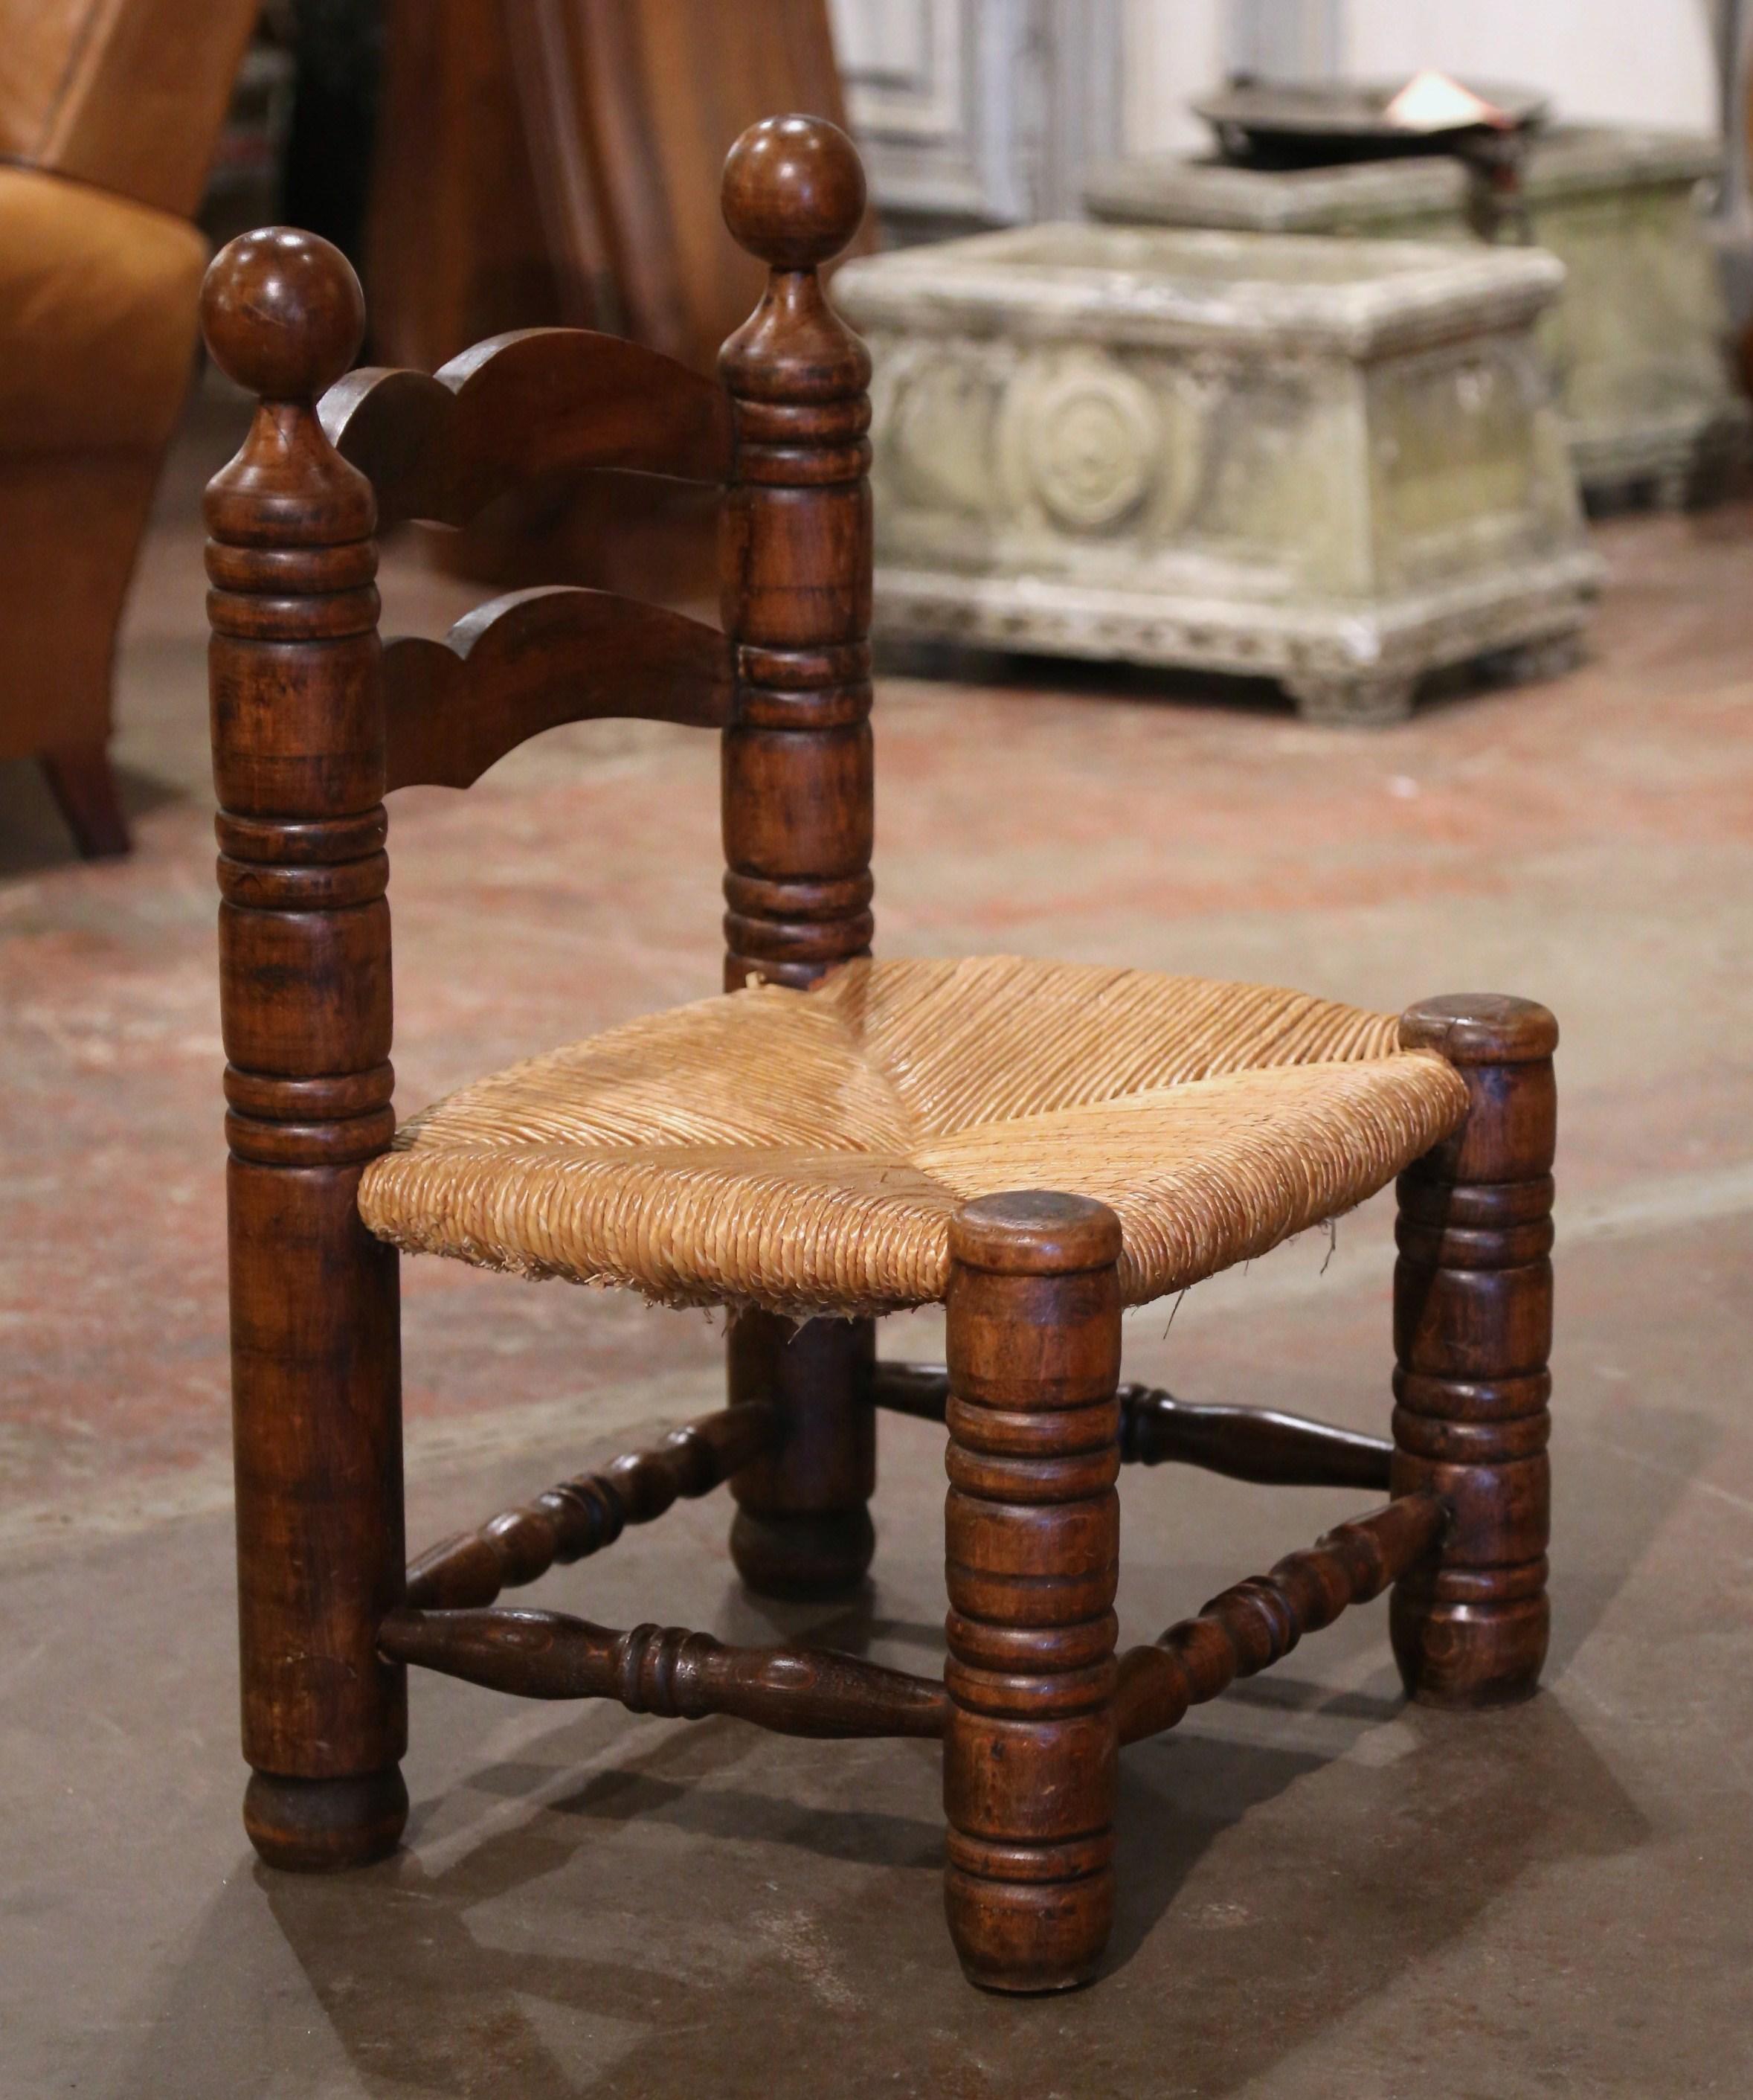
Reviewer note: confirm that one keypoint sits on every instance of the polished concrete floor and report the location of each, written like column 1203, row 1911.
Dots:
column 1323, row 1892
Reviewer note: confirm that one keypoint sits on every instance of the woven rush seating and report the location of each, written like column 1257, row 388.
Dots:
column 805, row 1151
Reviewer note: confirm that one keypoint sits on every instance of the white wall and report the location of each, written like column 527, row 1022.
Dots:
column 1174, row 48
column 1638, row 61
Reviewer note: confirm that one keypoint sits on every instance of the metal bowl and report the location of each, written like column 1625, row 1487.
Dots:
column 1307, row 124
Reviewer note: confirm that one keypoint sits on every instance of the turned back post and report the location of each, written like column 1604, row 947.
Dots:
column 798, row 794
column 797, row 563
column 296, row 687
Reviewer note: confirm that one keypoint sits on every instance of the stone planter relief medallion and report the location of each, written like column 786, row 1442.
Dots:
column 1067, row 438
column 932, row 407
column 1084, row 439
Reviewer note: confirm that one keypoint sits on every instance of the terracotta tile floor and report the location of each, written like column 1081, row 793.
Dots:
column 1324, row 1893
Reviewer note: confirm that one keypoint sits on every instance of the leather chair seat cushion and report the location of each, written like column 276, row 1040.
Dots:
column 97, row 316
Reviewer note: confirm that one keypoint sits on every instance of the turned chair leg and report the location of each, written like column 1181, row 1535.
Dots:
column 1473, row 1329
column 1031, row 1755
column 296, row 681
column 802, row 1524
column 317, row 1429
column 83, row 787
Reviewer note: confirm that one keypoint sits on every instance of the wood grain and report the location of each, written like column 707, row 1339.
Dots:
column 1257, row 1622
column 798, row 795
column 538, row 404
column 798, row 806
column 312, row 724
column 533, row 660
column 589, row 1512
column 1031, row 1548
column 668, row 1670
column 1256, row 1444
column 1472, row 1319
column 304, row 941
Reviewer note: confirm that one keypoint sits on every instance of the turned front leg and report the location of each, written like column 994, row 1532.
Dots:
column 1473, row 1329
column 1032, row 1527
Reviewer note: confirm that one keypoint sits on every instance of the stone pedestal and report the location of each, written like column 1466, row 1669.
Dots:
column 1638, row 346
column 1334, row 463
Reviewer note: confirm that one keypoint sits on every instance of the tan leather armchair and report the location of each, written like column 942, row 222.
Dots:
column 109, row 110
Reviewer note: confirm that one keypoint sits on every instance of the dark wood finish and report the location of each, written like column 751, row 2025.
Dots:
column 540, row 405
column 797, row 772
column 920, row 1390
column 1473, row 1318
column 802, row 1524
column 1257, row 1622
column 668, row 1670
column 1255, row 1443
column 797, row 794
column 526, row 663
column 304, row 938
column 582, row 1515
column 1032, row 1550
column 83, row 787
column 312, row 723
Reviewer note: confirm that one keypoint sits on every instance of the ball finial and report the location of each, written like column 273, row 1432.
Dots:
column 283, row 313
column 794, row 190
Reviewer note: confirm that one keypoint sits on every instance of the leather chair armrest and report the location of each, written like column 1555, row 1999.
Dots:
column 97, row 316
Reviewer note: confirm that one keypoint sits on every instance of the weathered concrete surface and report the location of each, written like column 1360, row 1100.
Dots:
column 1333, row 462
column 1638, row 345
column 1322, row 1891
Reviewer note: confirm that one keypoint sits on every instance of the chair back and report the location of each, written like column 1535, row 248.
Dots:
column 315, row 720
column 128, row 95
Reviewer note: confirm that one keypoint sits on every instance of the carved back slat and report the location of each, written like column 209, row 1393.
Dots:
column 529, row 661
column 539, row 404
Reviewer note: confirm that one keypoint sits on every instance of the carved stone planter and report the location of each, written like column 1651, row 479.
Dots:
column 1636, row 345
column 1334, row 463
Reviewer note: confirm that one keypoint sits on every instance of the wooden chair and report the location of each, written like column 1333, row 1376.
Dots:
column 1035, row 1144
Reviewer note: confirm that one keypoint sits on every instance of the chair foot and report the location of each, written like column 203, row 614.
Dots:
column 84, row 788
column 1029, row 1938
column 1467, row 1659
column 318, row 1826
column 804, row 1558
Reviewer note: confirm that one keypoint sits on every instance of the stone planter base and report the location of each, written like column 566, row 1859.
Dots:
column 1360, row 673
column 1332, row 463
